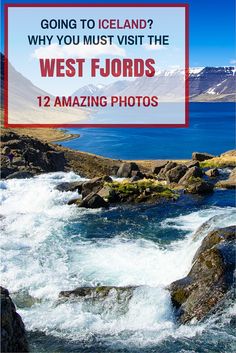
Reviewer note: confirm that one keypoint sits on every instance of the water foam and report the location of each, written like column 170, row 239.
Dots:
column 40, row 257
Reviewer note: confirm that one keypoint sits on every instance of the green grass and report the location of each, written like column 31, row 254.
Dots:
column 149, row 186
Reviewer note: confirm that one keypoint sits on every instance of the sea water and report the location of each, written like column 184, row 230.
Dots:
column 48, row 246
column 211, row 129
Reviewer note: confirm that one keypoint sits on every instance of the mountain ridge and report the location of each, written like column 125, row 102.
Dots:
column 205, row 84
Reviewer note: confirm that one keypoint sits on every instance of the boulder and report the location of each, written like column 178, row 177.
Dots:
column 199, row 156
column 20, row 175
column 96, row 292
column 193, row 172
column 76, row 201
column 191, row 164
column 94, row 185
column 106, row 192
column 162, row 174
column 101, row 299
column 56, row 161
column 71, row 186
column 199, row 186
column 5, row 171
column 212, row 173
column 137, row 175
column 229, row 183
column 159, row 165
column 209, row 279
column 176, row 173
column 114, row 170
column 125, row 170
column 13, row 334
column 93, row 200
column 9, row 136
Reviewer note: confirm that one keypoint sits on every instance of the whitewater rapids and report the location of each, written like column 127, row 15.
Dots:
column 45, row 248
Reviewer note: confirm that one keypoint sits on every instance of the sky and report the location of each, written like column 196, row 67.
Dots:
column 212, row 29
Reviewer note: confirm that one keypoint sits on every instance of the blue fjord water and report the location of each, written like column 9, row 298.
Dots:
column 212, row 130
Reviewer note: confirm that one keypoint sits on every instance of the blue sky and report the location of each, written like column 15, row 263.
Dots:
column 212, row 28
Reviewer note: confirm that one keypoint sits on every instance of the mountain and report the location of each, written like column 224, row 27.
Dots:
column 23, row 105
column 205, row 83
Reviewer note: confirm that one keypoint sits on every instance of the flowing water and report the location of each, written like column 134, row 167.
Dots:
column 48, row 246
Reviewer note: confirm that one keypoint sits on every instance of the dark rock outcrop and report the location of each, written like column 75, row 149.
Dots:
column 13, row 335
column 93, row 200
column 198, row 186
column 20, row 175
column 100, row 299
column 209, row 279
column 71, row 186
column 200, row 156
column 6, row 171
column 41, row 157
column 191, row 164
column 176, row 173
column 96, row 292
column 126, row 169
column 94, row 185
column 159, row 165
column 193, row 172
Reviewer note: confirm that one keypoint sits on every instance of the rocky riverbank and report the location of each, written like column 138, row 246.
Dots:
column 13, row 334
column 201, row 292
column 162, row 180
column 112, row 182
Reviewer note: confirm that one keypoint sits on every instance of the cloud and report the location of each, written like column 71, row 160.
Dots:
column 153, row 46
column 233, row 61
column 86, row 51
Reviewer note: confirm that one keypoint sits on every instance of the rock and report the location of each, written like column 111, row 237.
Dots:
column 107, row 193
column 162, row 174
column 170, row 165
column 135, row 178
column 199, row 156
column 231, row 153
column 76, row 201
column 5, row 171
column 191, row 164
column 209, row 279
column 9, row 136
column 13, row 334
column 193, row 172
column 136, row 175
column 101, row 299
column 20, row 175
column 175, row 174
column 159, row 165
column 71, row 186
column 55, row 161
column 93, row 200
column 114, row 170
column 212, row 173
column 229, row 183
column 40, row 156
column 125, row 170
column 94, row 185
column 96, row 292
column 199, row 186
